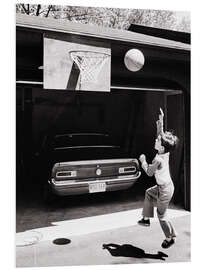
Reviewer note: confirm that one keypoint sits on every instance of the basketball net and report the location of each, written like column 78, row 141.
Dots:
column 89, row 63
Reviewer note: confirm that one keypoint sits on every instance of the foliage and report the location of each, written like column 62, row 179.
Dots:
column 109, row 17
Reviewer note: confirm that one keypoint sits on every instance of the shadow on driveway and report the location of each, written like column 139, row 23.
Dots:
column 131, row 251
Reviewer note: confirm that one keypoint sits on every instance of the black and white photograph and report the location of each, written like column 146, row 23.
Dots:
column 103, row 135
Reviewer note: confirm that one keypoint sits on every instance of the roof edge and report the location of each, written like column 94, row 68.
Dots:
column 48, row 24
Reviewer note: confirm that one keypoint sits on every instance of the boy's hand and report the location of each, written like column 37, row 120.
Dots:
column 161, row 115
column 161, row 111
column 142, row 158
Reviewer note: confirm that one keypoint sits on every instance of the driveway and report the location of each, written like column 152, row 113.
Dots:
column 70, row 230
column 85, row 237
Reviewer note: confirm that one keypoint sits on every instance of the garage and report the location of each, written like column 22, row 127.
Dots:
column 114, row 118
column 126, row 112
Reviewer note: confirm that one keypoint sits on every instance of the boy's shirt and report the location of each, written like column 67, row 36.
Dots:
column 159, row 168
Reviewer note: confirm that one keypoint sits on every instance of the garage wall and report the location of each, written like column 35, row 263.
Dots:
column 175, row 121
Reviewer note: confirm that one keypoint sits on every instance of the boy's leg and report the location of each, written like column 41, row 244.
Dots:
column 162, row 206
column 150, row 195
column 169, row 232
column 173, row 230
column 167, row 228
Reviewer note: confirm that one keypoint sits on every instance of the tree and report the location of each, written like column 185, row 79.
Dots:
column 34, row 10
column 108, row 17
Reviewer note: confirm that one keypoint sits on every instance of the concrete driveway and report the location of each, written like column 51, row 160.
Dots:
column 85, row 238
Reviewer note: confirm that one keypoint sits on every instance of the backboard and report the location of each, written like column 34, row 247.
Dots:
column 62, row 72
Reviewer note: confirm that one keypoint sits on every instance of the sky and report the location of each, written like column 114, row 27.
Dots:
column 181, row 14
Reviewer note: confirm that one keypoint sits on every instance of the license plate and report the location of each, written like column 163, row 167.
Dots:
column 97, row 187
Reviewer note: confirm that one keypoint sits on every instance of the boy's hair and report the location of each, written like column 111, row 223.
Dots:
column 169, row 141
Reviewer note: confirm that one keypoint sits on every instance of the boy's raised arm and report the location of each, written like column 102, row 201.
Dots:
column 160, row 123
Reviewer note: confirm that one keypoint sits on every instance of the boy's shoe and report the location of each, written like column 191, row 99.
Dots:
column 144, row 222
column 168, row 243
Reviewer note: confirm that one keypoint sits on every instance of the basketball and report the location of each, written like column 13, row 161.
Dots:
column 134, row 60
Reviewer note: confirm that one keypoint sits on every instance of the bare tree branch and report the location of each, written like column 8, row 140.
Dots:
column 26, row 11
column 50, row 7
column 38, row 9
column 42, row 11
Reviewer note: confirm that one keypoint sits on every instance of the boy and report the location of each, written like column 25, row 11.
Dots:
column 163, row 191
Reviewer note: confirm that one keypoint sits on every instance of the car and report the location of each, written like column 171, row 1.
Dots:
column 73, row 172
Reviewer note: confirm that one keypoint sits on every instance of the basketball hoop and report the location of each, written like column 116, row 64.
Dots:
column 89, row 63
